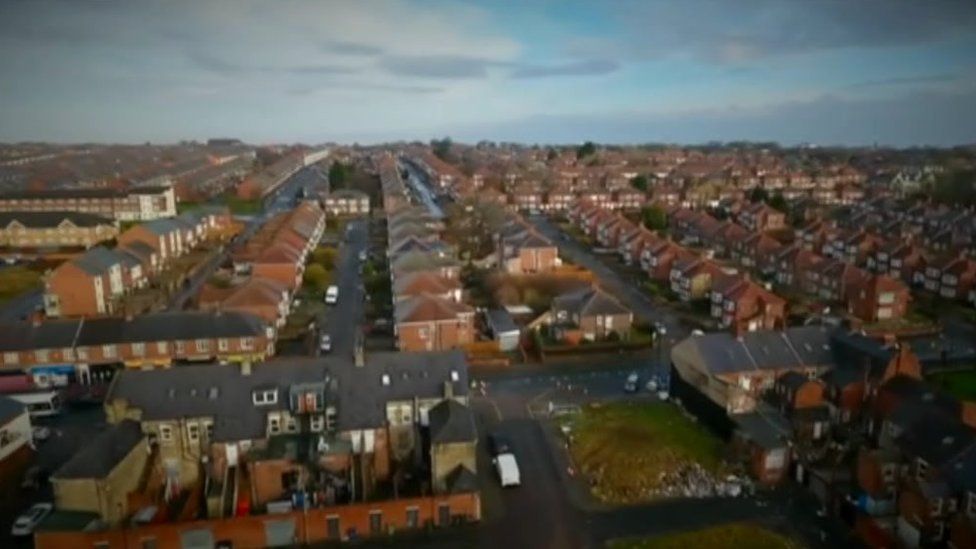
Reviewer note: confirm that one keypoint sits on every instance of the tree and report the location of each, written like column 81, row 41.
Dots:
column 639, row 182
column 316, row 277
column 442, row 148
column 472, row 226
column 325, row 257
column 758, row 194
column 655, row 218
column 551, row 155
column 778, row 201
column 957, row 187
column 584, row 150
column 338, row 175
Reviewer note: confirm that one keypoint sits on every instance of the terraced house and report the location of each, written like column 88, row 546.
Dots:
column 133, row 204
column 46, row 230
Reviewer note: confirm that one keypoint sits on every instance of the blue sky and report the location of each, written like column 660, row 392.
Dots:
column 899, row 72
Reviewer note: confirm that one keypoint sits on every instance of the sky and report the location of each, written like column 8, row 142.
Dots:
column 889, row 72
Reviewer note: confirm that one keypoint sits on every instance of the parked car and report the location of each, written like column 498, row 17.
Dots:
column 499, row 444
column 632, row 383
column 27, row 522
column 332, row 295
column 325, row 343
column 363, row 255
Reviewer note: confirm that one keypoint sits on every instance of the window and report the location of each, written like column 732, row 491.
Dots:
column 138, row 349
column 193, row 432
column 413, row 517
column 375, row 522
column 165, row 433
column 247, row 343
column 11, row 358
column 210, row 429
column 291, row 425
column 316, row 423
column 265, row 396
column 274, row 424
column 332, row 526
column 203, row 345
column 161, row 347
column 108, row 351
column 180, row 347
column 422, row 333
column 222, row 345
column 330, row 418
column 68, row 353
column 82, row 353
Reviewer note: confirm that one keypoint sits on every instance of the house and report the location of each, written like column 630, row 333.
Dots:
column 732, row 372
column 764, row 436
column 590, row 314
column 691, row 277
column 417, row 261
column 453, row 442
column 761, row 217
column 417, row 283
column 658, row 259
column 792, row 265
column 429, row 323
column 99, row 478
column 632, row 245
column 878, row 297
column 503, row 329
column 347, row 202
column 528, row 252
column 55, row 229
column 87, row 285
column 265, row 298
column 162, row 235
column 142, row 203
column 610, row 232
column 958, row 278
column 741, row 305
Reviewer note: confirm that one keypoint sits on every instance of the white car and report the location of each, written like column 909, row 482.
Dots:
column 325, row 343
column 25, row 523
column 508, row 470
column 332, row 295
column 363, row 255
column 40, row 433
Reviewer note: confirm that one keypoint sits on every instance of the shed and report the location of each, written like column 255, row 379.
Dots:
column 503, row 329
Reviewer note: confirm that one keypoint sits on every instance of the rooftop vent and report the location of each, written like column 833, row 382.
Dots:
column 385, row 380
column 454, row 375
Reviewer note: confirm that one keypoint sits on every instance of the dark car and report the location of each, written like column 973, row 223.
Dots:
column 499, row 444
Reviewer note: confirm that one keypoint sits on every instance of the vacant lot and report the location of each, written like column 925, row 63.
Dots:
column 17, row 280
column 728, row 536
column 629, row 452
column 961, row 385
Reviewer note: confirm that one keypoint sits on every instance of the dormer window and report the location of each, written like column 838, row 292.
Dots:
column 265, row 397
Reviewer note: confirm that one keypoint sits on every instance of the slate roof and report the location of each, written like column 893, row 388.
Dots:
column 358, row 393
column 428, row 308
column 451, row 422
column 723, row 353
column 461, row 481
column 766, row 427
column 589, row 301
column 97, row 459
column 97, row 260
column 51, row 334
column 40, row 220
column 10, row 409
column 501, row 321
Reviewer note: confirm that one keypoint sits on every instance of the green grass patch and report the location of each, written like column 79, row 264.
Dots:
column 961, row 385
column 726, row 536
column 17, row 280
column 624, row 448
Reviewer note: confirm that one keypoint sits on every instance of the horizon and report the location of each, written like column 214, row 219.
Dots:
column 889, row 74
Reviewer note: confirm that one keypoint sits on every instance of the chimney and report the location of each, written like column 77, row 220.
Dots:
column 448, row 390
column 246, row 368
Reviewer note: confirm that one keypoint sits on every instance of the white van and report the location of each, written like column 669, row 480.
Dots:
column 332, row 295
column 508, row 471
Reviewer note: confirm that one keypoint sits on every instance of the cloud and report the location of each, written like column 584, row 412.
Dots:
column 590, row 67
column 346, row 85
column 734, row 32
column 907, row 80
column 226, row 67
column 438, row 66
column 342, row 47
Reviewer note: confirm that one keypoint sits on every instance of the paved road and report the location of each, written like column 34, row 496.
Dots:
column 343, row 320
column 625, row 290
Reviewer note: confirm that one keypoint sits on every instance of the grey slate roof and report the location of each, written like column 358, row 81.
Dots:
column 39, row 220
column 766, row 427
column 97, row 260
column 358, row 393
column 722, row 353
column 589, row 301
column 51, row 334
column 501, row 321
column 97, row 459
column 461, row 481
column 9, row 409
column 171, row 326
column 450, row 422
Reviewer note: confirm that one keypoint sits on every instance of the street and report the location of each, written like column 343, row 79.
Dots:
column 342, row 321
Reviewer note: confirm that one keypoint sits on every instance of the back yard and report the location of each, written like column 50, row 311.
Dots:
column 634, row 452
column 961, row 385
column 726, row 536
column 16, row 280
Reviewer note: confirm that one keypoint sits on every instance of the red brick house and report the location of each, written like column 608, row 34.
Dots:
column 430, row 323
column 590, row 314
column 878, row 297
column 741, row 305
column 761, row 217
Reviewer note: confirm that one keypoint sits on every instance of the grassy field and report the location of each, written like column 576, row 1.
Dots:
column 961, row 385
column 728, row 536
column 17, row 280
column 625, row 448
